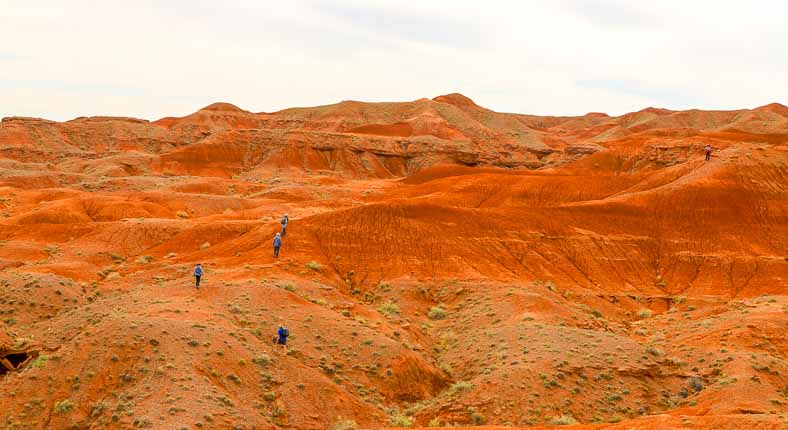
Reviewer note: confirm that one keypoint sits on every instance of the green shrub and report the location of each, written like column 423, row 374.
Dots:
column 563, row 420
column 262, row 360
column 437, row 313
column 314, row 265
column 389, row 309
column 63, row 406
column 460, row 386
column 40, row 361
column 645, row 313
column 400, row 420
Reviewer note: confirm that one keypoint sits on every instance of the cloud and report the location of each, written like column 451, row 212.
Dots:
column 85, row 88
column 659, row 95
column 8, row 56
column 614, row 13
column 385, row 19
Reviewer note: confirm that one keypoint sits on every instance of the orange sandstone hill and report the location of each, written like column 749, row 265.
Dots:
column 445, row 265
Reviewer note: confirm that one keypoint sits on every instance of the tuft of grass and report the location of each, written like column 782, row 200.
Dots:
column 63, row 406
column 437, row 313
column 262, row 360
column 314, row 265
column 40, row 361
column 645, row 313
column 563, row 420
column 460, row 386
column 97, row 409
column 389, row 309
column 400, row 420
column 345, row 425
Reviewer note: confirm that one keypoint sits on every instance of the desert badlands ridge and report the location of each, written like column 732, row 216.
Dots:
column 444, row 265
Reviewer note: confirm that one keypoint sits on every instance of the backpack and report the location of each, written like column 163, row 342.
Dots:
column 285, row 332
column 284, row 220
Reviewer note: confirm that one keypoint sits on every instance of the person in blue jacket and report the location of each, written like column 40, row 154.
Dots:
column 198, row 274
column 277, row 245
column 283, row 334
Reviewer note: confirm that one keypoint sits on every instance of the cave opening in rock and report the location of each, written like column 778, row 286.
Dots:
column 11, row 362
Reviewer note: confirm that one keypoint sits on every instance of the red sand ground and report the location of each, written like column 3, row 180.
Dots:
column 445, row 265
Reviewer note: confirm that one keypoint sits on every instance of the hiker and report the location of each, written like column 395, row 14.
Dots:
column 283, row 333
column 277, row 245
column 198, row 274
column 707, row 149
column 284, row 221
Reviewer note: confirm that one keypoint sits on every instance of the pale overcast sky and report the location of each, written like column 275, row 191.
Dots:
column 149, row 59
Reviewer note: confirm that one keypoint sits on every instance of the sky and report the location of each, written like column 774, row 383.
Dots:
column 149, row 59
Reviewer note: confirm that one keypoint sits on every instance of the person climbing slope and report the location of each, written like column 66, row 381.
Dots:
column 707, row 150
column 283, row 333
column 285, row 219
column 198, row 275
column 277, row 245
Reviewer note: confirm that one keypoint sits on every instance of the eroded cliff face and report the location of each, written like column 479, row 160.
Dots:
column 444, row 264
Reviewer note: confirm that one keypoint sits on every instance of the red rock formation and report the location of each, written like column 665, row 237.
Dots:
column 444, row 264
